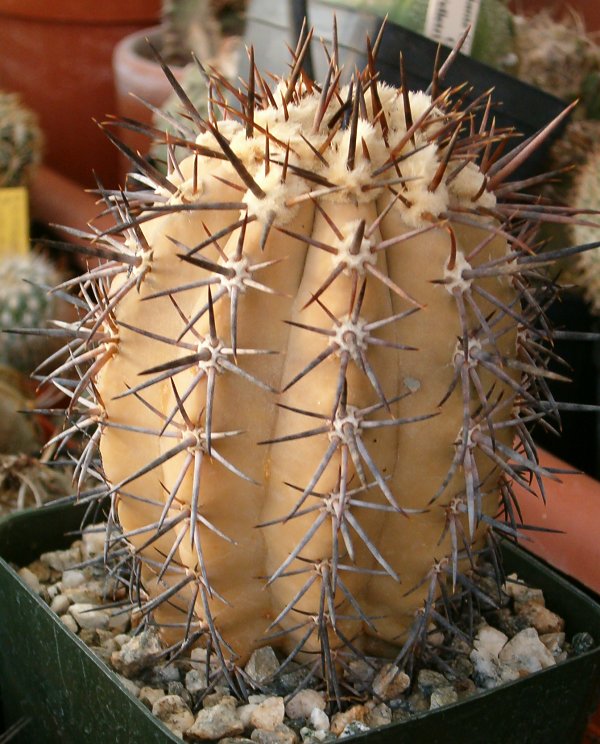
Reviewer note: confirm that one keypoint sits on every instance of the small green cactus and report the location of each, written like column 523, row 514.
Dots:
column 310, row 366
column 20, row 141
column 26, row 303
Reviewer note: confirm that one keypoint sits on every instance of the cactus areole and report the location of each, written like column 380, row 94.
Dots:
column 313, row 350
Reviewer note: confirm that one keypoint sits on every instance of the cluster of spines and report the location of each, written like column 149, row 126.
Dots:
column 124, row 251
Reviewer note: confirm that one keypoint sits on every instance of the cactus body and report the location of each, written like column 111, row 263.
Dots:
column 308, row 365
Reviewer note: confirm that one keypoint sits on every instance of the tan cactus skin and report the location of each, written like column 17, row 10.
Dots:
column 255, row 492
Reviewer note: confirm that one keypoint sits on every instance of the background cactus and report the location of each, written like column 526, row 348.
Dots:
column 586, row 193
column 18, row 432
column 558, row 56
column 20, row 141
column 310, row 365
column 26, row 303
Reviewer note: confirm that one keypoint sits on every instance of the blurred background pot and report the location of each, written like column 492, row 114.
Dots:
column 58, row 56
column 138, row 75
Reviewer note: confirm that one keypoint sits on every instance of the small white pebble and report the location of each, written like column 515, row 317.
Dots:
column 245, row 713
column 257, row 698
column 149, row 695
column 268, row 714
column 195, row 681
column 129, row 685
column 303, row 703
column 490, row 640
column 93, row 539
column 60, row 604
column 526, row 653
column 72, row 578
column 70, row 623
column 30, row 579
column 89, row 616
column 61, row 560
column 353, row 728
column 54, row 590
column 174, row 713
column 319, row 720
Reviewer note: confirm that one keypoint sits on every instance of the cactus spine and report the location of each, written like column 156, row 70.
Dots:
column 309, row 362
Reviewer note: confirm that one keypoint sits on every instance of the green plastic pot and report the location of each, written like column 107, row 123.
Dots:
column 49, row 676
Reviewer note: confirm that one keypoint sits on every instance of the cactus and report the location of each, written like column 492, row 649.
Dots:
column 558, row 56
column 310, row 364
column 586, row 194
column 18, row 431
column 20, row 141
column 26, row 303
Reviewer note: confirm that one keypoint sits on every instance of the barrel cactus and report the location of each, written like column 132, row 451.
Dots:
column 309, row 356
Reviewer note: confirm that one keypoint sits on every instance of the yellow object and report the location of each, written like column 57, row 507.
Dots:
column 14, row 221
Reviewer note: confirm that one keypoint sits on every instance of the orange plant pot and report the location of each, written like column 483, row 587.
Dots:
column 573, row 506
column 57, row 55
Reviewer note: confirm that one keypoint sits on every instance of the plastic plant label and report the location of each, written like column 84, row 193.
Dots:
column 447, row 20
column 14, row 221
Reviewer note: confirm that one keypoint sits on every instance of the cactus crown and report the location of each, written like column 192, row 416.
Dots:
column 309, row 356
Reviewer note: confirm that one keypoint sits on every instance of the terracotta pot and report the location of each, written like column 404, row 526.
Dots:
column 138, row 75
column 573, row 506
column 58, row 56
column 588, row 9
